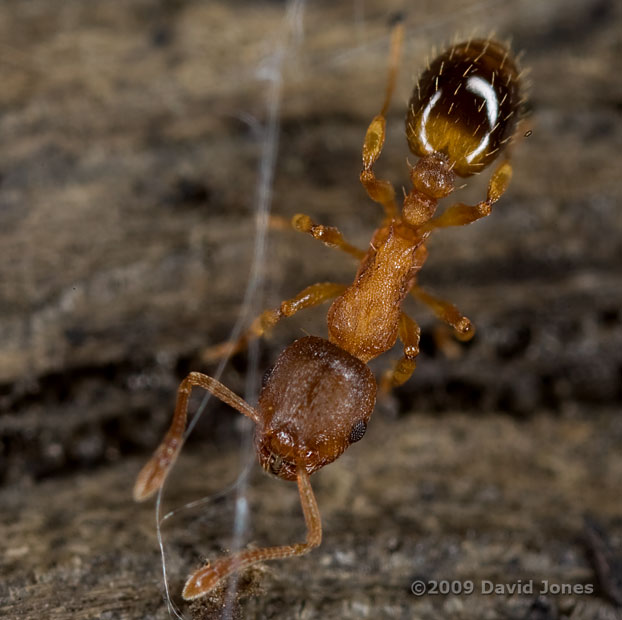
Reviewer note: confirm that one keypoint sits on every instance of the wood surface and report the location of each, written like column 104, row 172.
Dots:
column 131, row 158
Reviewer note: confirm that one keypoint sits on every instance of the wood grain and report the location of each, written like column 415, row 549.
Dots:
column 131, row 144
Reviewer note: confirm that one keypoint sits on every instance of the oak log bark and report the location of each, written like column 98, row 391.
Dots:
column 131, row 145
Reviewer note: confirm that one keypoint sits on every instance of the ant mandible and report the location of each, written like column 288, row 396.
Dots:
column 319, row 396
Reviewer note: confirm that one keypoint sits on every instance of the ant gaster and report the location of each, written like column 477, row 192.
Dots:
column 319, row 396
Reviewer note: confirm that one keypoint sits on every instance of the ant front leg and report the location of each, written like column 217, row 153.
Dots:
column 311, row 296
column 379, row 190
column 460, row 214
column 409, row 333
column 152, row 475
column 206, row 578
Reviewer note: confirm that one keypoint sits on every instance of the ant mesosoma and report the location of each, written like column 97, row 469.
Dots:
column 319, row 396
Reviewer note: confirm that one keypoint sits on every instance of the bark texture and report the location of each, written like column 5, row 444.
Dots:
column 131, row 135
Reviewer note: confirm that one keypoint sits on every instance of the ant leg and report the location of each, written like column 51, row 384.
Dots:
column 409, row 333
column 206, row 578
column 278, row 222
column 377, row 189
column 329, row 235
column 154, row 472
column 311, row 296
column 460, row 214
column 446, row 312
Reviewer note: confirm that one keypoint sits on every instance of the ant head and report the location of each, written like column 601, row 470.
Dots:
column 316, row 401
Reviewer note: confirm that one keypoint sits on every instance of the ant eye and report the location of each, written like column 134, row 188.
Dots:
column 266, row 377
column 358, row 431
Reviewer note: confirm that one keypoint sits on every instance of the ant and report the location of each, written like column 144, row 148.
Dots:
column 320, row 394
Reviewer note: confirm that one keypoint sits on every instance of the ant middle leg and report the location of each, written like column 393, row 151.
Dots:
column 204, row 579
column 460, row 214
column 309, row 297
column 446, row 311
column 379, row 190
column 409, row 333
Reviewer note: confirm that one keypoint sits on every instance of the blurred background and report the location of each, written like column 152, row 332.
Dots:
column 135, row 156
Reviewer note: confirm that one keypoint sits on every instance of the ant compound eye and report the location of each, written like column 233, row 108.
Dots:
column 358, row 431
column 266, row 377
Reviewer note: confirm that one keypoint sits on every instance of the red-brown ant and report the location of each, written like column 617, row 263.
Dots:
column 320, row 394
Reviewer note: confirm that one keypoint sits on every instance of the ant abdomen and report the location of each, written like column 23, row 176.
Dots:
column 315, row 403
column 465, row 105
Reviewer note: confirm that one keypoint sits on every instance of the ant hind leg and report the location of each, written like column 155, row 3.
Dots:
column 460, row 214
column 379, row 190
column 329, row 235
